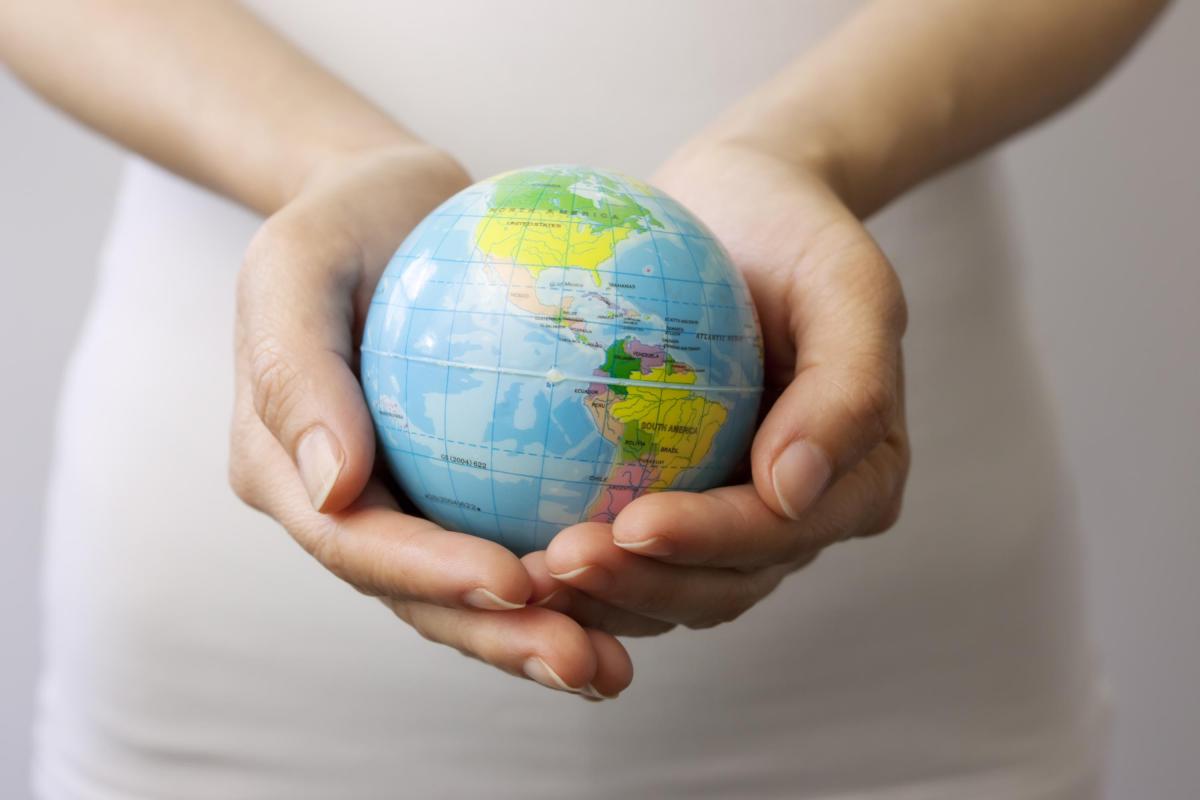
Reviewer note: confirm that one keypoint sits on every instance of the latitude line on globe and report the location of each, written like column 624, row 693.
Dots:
column 554, row 376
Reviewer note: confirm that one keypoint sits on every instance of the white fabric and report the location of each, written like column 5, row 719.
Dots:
column 193, row 651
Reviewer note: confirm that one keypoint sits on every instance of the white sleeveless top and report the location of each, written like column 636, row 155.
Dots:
column 193, row 651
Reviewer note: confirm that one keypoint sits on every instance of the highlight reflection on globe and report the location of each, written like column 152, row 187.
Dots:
column 550, row 344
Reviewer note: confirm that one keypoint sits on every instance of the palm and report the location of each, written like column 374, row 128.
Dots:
column 832, row 314
column 805, row 257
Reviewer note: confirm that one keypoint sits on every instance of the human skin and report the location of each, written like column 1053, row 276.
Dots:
column 898, row 93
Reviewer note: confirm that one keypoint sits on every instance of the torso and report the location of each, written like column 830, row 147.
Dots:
column 194, row 651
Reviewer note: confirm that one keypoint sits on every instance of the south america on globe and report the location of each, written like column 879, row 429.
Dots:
column 551, row 343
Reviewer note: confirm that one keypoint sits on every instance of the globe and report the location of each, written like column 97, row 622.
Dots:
column 552, row 343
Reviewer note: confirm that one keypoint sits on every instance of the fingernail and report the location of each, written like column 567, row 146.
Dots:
column 489, row 601
column 595, row 694
column 799, row 476
column 547, row 598
column 540, row 671
column 320, row 461
column 596, row 579
column 654, row 546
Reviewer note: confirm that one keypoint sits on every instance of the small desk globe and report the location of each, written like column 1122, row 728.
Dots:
column 550, row 344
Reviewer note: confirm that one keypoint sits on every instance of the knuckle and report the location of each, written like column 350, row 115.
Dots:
column 409, row 613
column 871, row 398
column 263, row 250
column 889, row 516
column 328, row 549
column 738, row 597
column 894, row 307
column 893, row 493
column 402, row 609
column 652, row 600
column 883, row 491
column 794, row 549
column 275, row 386
column 643, row 628
column 278, row 233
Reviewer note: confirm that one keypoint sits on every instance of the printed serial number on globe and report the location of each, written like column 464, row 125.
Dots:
column 550, row 344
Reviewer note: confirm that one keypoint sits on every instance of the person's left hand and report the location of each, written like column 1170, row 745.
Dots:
column 830, row 459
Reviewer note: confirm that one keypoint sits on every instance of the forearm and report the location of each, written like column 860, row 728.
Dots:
column 200, row 86
column 906, row 89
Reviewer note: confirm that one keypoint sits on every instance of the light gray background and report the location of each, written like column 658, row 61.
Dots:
column 1108, row 209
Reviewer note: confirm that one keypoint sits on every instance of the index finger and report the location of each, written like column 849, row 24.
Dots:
column 731, row 526
column 371, row 544
column 384, row 552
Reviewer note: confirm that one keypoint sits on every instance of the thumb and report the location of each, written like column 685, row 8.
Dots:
column 846, row 395
column 295, row 351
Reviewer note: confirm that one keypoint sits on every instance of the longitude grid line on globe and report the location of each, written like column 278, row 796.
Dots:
column 458, row 504
column 708, row 317
column 705, row 304
column 504, row 312
column 597, row 463
column 408, row 385
column 562, row 292
column 536, row 521
column 667, row 314
column 612, row 235
column 496, row 391
column 618, row 314
column 495, row 403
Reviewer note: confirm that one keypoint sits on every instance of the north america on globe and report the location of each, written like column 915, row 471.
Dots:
column 552, row 343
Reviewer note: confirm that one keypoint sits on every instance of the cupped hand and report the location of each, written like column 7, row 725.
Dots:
column 830, row 458
column 302, row 443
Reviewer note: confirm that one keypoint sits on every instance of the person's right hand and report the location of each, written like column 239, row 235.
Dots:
column 302, row 443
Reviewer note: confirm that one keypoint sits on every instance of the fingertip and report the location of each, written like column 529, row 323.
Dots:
column 614, row 666
column 567, row 649
column 545, row 587
column 485, row 599
column 648, row 516
column 578, row 545
column 510, row 582
column 480, row 573
column 669, row 525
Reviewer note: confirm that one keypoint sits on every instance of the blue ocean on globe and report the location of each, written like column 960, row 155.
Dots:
column 550, row 344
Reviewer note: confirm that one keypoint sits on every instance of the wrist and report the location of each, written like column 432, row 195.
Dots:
column 809, row 159
column 308, row 162
column 373, row 196
column 797, row 125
